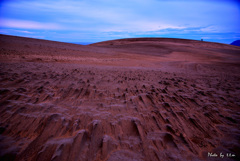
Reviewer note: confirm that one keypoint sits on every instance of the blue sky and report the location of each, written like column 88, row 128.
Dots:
column 99, row 20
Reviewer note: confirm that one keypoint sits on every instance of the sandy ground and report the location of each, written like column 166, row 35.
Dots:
column 130, row 100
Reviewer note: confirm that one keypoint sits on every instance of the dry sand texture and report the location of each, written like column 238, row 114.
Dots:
column 130, row 100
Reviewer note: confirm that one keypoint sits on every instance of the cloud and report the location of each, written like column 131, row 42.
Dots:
column 23, row 24
column 132, row 15
column 26, row 32
column 96, row 20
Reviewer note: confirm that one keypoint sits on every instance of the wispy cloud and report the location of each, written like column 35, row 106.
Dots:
column 23, row 24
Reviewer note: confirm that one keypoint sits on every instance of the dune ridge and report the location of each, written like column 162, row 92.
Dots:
column 134, row 99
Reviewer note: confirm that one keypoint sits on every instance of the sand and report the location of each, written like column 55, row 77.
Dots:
column 130, row 100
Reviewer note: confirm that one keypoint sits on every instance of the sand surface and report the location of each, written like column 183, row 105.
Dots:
column 139, row 99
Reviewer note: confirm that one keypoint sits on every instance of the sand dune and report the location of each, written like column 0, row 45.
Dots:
column 130, row 99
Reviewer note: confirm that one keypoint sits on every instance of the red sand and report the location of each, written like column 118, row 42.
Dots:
column 131, row 99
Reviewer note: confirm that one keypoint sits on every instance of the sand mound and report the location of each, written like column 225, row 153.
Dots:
column 143, row 99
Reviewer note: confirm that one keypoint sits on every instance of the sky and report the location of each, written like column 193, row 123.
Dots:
column 100, row 20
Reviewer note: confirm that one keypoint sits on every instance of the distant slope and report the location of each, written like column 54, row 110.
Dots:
column 236, row 43
column 154, row 40
column 141, row 51
column 201, row 50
